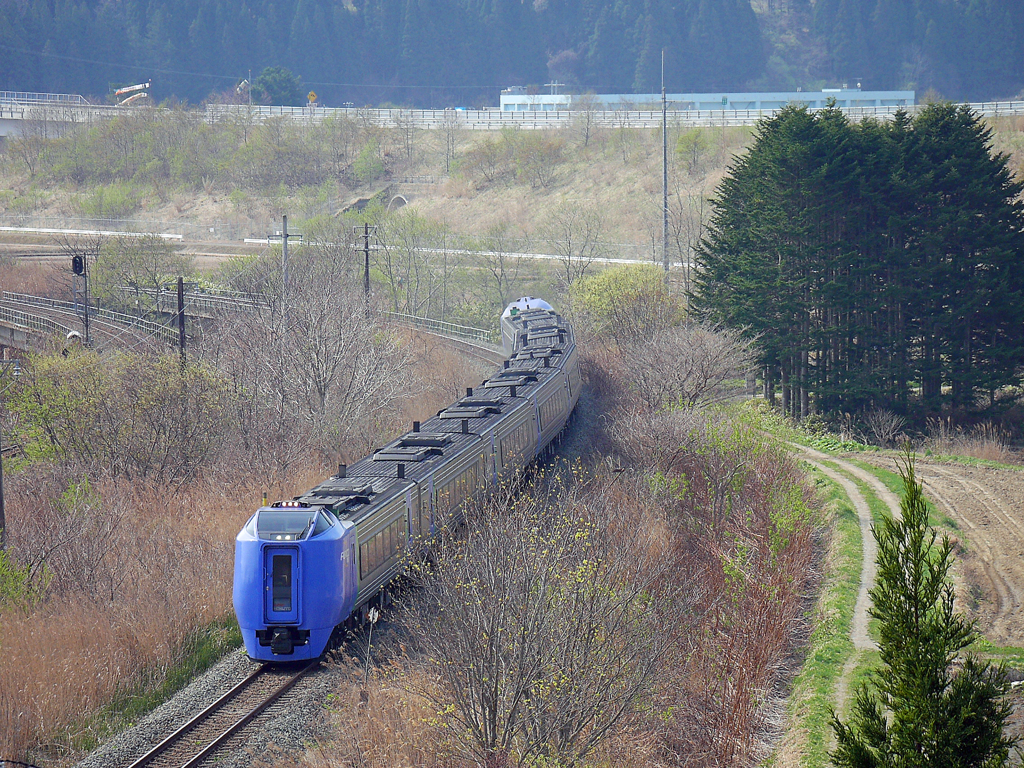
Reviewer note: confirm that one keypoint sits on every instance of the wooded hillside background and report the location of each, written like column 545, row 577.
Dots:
column 462, row 52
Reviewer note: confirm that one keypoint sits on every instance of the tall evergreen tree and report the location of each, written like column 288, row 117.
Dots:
column 877, row 264
column 930, row 705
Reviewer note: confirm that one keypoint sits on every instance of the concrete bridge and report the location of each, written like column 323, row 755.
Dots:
column 47, row 114
column 34, row 323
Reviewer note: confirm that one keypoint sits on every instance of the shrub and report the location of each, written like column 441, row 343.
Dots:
column 114, row 201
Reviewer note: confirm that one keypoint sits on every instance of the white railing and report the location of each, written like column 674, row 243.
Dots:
column 493, row 119
column 484, row 119
column 119, row 318
column 26, row 97
column 446, row 329
column 29, row 322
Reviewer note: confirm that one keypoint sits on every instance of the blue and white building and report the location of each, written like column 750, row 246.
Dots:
column 516, row 99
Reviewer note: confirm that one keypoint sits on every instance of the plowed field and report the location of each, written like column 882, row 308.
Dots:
column 987, row 504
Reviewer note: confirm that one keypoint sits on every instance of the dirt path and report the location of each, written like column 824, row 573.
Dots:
column 859, row 626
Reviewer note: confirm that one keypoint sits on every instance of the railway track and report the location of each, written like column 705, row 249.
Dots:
column 208, row 732
column 104, row 332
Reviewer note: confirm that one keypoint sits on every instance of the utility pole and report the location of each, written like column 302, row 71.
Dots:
column 15, row 366
column 366, row 262
column 664, row 169
column 367, row 231
column 284, row 261
column 181, row 320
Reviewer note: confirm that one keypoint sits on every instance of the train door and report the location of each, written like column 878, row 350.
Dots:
column 281, row 584
column 412, row 500
column 431, row 503
column 424, row 510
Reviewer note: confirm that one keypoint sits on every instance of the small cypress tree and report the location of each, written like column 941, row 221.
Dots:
column 930, row 705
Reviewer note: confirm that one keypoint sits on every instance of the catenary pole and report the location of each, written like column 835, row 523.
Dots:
column 664, row 169
column 181, row 320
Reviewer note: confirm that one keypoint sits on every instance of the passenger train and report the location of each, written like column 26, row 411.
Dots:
column 306, row 565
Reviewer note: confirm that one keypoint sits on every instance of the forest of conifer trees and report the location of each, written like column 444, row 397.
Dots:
column 458, row 52
column 878, row 263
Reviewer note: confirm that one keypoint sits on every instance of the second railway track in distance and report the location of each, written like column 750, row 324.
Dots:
column 209, row 731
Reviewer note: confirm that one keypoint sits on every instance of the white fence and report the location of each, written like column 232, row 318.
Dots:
column 16, row 109
column 118, row 318
column 27, row 97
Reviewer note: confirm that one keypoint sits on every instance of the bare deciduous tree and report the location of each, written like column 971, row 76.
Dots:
column 310, row 371
column 129, row 415
column 545, row 627
column 688, row 219
column 416, row 261
column 688, row 365
column 575, row 232
column 537, row 157
column 884, row 425
column 501, row 263
column 451, row 128
column 129, row 271
column 584, row 117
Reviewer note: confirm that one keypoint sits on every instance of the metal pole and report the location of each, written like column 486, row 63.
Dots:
column 366, row 262
column 284, row 252
column 85, row 278
column 181, row 320
column 3, row 520
column 664, row 168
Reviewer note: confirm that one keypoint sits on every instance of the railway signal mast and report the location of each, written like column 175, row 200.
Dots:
column 79, row 265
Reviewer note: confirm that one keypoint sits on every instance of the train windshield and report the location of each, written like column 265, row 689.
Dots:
column 285, row 524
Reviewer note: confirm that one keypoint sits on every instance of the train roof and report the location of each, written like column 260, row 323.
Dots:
column 543, row 342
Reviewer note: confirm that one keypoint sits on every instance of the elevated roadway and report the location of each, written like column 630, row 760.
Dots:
column 52, row 114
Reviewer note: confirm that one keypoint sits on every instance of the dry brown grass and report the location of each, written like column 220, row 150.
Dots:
column 377, row 726
column 128, row 577
column 127, row 573
column 443, row 375
column 27, row 277
column 985, row 441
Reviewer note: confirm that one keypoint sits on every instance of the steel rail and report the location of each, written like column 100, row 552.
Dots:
column 252, row 715
column 216, row 706
column 116, row 319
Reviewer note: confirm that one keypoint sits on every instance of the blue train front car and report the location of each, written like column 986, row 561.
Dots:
column 294, row 581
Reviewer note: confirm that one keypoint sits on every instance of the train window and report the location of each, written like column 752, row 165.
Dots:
column 323, row 523
column 284, row 524
column 282, row 583
column 513, row 446
column 551, row 409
